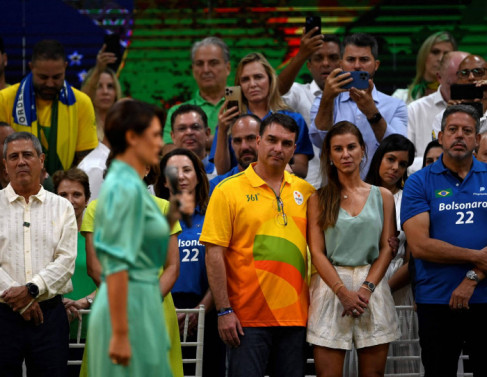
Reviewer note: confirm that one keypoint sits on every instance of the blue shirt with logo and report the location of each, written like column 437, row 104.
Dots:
column 458, row 215
column 192, row 271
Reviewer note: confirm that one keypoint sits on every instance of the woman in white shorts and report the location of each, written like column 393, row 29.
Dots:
column 349, row 224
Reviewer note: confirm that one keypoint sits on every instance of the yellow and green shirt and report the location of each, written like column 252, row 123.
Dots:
column 266, row 260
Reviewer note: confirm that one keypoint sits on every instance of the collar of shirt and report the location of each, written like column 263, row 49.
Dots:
column 345, row 96
column 315, row 89
column 256, row 181
column 12, row 196
column 199, row 101
column 437, row 97
column 439, row 168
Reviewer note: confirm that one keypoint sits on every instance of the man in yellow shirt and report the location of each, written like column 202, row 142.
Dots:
column 45, row 105
column 255, row 235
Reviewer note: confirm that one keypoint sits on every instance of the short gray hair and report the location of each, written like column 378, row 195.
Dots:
column 215, row 41
column 22, row 136
column 469, row 110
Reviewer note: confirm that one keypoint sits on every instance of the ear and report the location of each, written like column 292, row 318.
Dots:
column 5, row 59
column 65, row 65
column 131, row 138
column 477, row 140
column 172, row 136
column 42, row 157
column 377, row 64
column 30, row 66
column 228, row 67
column 440, row 138
column 207, row 132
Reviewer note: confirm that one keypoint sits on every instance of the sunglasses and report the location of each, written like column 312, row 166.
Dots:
column 476, row 72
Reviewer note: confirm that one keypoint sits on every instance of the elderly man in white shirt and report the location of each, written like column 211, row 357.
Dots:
column 422, row 112
column 38, row 240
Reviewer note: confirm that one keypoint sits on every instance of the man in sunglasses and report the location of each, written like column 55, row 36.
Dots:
column 472, row 70
column 422, row 112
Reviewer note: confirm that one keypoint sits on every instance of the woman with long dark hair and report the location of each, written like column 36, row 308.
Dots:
column 349, row 225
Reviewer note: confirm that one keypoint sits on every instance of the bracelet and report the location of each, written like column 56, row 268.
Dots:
column 334, row 285
column 228, row 311
column 366, row 287
column 341, row 286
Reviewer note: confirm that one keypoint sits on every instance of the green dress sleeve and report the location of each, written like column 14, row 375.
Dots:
column 119, row 226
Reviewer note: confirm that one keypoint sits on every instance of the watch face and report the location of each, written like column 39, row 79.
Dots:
column 472, row 275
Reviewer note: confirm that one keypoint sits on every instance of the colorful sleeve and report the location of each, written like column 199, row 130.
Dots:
column 217, row 227
column 88, row 224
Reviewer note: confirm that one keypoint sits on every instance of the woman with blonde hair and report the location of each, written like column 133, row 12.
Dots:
column 260, row 96
column 102, row 86
column 427, row 66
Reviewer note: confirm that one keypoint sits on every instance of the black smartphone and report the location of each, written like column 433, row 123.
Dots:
column 360, row 80
column 312, row 22
column 466, row 91
column 112, row 42
column 477, row 106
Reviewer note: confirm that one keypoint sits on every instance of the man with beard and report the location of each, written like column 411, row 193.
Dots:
column 244, row 132
column 3, row 64
column 376, row 114
column 210, row 62
column 189, row 130
column 444, row 213
column 45, row 105
column 322, row 55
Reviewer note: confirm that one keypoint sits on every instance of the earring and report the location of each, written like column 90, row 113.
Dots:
column 331, row 163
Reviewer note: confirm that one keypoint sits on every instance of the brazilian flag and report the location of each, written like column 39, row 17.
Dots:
column 443, row 193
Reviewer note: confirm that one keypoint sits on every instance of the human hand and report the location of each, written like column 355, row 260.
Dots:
column 364, row 100
column 394, row 244
column 334, row 84
column 71, row 309
column 229, row 329
column 104, row 58
column 192, row 323
column 17, row 297
column 226, row 117
column 480, row 259
column 310, row 43
column 34, row 313
column 119, row 350
column 353, row 303
column 461, row 295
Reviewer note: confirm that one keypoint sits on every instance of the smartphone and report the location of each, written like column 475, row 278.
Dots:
column 234, row 96
column 112, row 42
column 360, row 80
column 312, row 22
column 466, row 91
column 477, row 106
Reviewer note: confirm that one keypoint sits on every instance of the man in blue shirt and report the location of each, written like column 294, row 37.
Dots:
column 444, row 212
column 376, row 114
column 244, row 132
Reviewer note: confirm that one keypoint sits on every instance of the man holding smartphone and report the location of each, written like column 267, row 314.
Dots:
column 472, row 70
column 376, row 114
column 321, row 53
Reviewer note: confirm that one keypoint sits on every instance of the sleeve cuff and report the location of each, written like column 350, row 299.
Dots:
column 37, row 280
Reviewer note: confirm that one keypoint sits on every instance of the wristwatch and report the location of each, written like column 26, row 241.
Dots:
column 375, row 118
column 369, row 285
column 90, row 301
column 472, row 275
column 32, row 289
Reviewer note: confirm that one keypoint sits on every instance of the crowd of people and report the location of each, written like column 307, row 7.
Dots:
column 300, row 218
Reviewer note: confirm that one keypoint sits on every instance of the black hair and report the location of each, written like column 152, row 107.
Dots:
column 183, row 109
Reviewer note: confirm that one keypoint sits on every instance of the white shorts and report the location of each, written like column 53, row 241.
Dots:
column 326, row 326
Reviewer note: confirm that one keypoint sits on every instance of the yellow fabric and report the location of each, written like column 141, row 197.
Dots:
column 76, row 123
column 88, row 224
column 266, row 260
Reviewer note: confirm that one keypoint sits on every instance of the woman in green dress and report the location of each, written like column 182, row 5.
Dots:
column 131, row 235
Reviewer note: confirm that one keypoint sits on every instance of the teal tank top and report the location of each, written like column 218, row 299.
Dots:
column 354, row 240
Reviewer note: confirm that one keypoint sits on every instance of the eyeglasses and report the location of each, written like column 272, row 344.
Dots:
column 476, row 72
column 281, row 216
column 195, row 127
